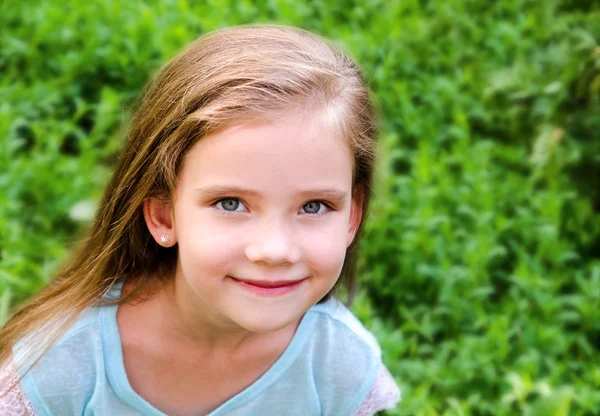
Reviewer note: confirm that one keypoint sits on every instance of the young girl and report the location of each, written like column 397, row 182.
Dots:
column 206, row 284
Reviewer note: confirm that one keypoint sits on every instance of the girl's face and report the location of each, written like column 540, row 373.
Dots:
column 263, row 215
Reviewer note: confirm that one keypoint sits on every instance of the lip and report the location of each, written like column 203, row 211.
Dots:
column 268, row 287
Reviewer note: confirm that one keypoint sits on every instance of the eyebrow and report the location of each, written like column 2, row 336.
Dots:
column 220, row 190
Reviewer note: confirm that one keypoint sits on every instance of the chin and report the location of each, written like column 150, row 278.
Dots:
column 271, row 322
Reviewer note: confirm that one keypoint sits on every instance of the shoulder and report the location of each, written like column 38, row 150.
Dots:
column 384, row 395
column 13, row 401
column 341, row 321
column 65, row 376
column 345, row 357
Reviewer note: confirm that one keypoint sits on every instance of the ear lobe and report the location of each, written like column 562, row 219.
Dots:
column 355, row 216
column 159, row 220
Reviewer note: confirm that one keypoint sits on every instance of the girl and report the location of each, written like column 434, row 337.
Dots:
column 206, row 284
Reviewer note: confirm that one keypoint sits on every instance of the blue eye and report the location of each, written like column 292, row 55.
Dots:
column 314, row 207
column 228, row 204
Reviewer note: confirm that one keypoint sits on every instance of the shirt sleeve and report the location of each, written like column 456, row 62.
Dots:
column 384, row 395
column 13, row 401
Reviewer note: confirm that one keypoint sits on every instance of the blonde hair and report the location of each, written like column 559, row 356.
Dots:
column 239, row 73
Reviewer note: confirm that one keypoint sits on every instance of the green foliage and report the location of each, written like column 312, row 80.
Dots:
column 480, row 262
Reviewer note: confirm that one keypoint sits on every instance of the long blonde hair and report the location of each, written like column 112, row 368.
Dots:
column 221, row 78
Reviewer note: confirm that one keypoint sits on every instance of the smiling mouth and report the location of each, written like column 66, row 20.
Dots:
column 268, row 284
column 268, row 287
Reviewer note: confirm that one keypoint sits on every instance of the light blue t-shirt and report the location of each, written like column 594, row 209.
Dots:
column 328, row 368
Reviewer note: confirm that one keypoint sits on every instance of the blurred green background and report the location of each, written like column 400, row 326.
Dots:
column 480, row 267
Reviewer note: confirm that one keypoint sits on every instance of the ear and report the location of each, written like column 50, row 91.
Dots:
column 355, row 215
column 160, row 222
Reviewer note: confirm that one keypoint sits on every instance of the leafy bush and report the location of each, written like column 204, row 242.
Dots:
column 480, row 262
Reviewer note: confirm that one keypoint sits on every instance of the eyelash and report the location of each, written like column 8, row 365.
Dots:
column 224, row 212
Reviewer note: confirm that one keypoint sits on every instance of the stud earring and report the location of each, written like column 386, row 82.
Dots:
column 165, row 239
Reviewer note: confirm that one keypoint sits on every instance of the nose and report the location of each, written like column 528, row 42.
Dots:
column 273, row 244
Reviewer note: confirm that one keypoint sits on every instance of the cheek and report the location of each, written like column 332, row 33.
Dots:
column 204, row 244
column 325, row 250
column 202, row 250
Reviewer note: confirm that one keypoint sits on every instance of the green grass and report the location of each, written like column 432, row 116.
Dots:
column 480, row 268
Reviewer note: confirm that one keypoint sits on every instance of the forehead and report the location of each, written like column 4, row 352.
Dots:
column 284, row 151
